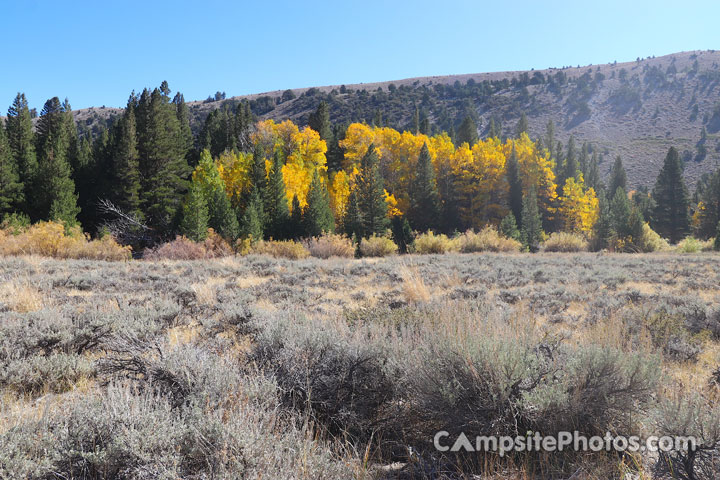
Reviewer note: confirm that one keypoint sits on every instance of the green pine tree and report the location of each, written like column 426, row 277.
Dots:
column 515, row 194
column 353, row 222
column 318, row 216
column 620, row 210
column 602, row 230
column 522, row 126
column 194, row 224
column 467, row 133
column 424, row 201
column 55, row 197
column 21, row 141
column 222, row 217
column 371, row 195
column 671, row 215
column 570, row 167
column 592, row 178
column 531, row 222
column 276, row 207
column 163, row 165
column 618, row 177
column 11, row 190
column 296, row 226
column 509, row 228
column 125, row 191
column 402, row 234
column 251, row 225
column 320, row 122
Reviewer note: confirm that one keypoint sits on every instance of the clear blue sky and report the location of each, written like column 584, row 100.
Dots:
column 96, row 52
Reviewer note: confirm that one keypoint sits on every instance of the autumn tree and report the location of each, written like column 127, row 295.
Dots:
column 424, row 202
column 670, row 218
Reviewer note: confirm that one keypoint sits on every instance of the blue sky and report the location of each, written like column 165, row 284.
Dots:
column 96, row 52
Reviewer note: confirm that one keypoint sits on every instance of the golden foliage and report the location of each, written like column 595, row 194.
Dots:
column 579, row 207
column 377, row 247
column 50, row 239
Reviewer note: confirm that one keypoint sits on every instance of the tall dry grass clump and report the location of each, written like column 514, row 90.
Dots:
column 429, row 242
column 565, row 242
column 694, row 245
column 377, row 247
column 486, row 240
column 51, row 239
column 182, row 248
column 281, row 249
column 330, row 245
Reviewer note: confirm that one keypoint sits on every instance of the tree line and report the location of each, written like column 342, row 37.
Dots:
column 147, row 178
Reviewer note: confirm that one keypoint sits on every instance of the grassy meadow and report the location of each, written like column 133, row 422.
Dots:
column 261, row 367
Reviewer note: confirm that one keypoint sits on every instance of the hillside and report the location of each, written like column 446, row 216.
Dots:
column 636, row 109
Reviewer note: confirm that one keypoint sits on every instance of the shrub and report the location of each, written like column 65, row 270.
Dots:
column 689, row 416
column 377, row 247
column 487, row 240
column 565, row 242
column 281, row 249
column 693, row 245
column 428, row 242
column 329, row 245
column 182, row 248
column 651, row 241
column 51, row 239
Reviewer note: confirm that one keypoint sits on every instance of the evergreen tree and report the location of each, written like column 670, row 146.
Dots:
column 354, row 222
column 522, row 126
column 276, row 207
column 371, row 195
column 318, row 216
column 401, row 233
column 186, row 141
column 509, row 228
column 493, row 131
column 671, row 218
column 584, row 160
column 515, row 195
column 592, row 178
column 602, row 230
column 21, row 142
column 163, row 158
column 125, row 191
column 550, row 137
column 416, row 121
column 258, row 175
column 54, row 194
column 716, row 242
column 335, row 154
column 531, row 222
column 320, row 122
column 620, row 209
column 618, row 177
column 194, row 224
column 708, row 192
column 222, row 217
column 424, row 123
column 251, row 225
column 570, row 167
column 467, row 133
column 424, row 202
column 296, row 226
column 11, row 190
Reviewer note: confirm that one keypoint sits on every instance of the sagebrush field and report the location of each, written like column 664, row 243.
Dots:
column 254, row 367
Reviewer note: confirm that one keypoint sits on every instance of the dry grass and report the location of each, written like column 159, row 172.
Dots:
column 413, row 286
column 50, row 239
column 21, row 297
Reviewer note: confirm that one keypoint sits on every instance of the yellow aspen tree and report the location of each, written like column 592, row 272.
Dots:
column 578, row 207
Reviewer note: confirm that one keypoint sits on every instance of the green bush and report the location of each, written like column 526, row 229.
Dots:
column 693, row 245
